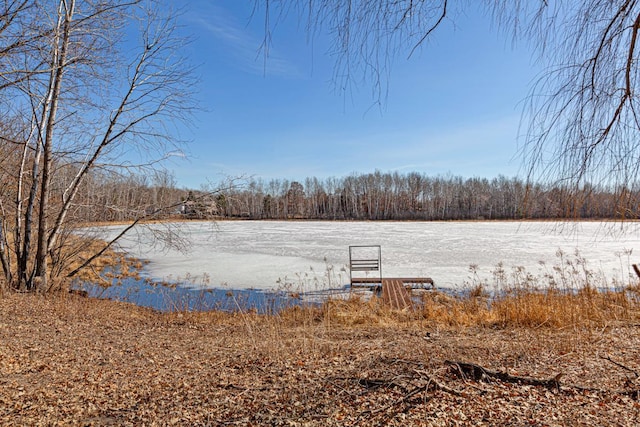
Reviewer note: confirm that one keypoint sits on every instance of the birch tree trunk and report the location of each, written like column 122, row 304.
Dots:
column 58, row 64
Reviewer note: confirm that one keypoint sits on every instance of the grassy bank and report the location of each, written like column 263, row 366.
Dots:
column 67, row 360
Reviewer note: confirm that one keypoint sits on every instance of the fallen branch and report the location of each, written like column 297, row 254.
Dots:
column 439, row 386
column 620, row 365
column 634, row 394
column 479, row 373
column 431, row 384
column 373, row 383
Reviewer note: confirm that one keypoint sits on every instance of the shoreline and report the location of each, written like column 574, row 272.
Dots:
column 176, row 297
column 165, row 297
column 343, row 220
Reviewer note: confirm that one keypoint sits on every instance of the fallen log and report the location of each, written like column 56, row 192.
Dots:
column 480, row 373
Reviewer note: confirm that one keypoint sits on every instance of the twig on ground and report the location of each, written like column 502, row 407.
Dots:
column 620, row 365
column 374, row 383
column 431, row 384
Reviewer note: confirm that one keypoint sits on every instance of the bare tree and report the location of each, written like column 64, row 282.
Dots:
column 582, row 115
column 584, row 120
column 97, row 86
column 367, row 36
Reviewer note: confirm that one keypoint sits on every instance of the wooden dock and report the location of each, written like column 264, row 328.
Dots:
column 395, row 290
column 395, row 294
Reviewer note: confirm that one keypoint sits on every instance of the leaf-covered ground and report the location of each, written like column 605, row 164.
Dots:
column 77, row 361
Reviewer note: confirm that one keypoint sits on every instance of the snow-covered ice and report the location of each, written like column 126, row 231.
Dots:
column 297, row 254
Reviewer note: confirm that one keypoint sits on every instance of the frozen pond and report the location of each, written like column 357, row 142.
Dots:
column 313, row 255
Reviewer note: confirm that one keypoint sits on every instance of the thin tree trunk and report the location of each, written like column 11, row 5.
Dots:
column 18, row 235
column 4, row 254
column 65, row 15
column 25, row 277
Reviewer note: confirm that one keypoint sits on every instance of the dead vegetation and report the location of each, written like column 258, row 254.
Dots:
column 108, row 269
column 584, row 308
column 77, row 361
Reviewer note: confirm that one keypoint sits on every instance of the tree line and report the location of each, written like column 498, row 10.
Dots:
column 111, row 197
column 417, row 196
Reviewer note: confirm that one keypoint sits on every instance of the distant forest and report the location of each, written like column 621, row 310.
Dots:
column 415, row 196
column 372, row 196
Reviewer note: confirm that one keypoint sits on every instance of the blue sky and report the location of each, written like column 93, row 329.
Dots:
column 453, row 107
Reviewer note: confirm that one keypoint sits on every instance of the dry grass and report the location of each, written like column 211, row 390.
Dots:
column 586, row 308
column 101, row 270
column 111, row 265
column 66, row 360
column 75, row 361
